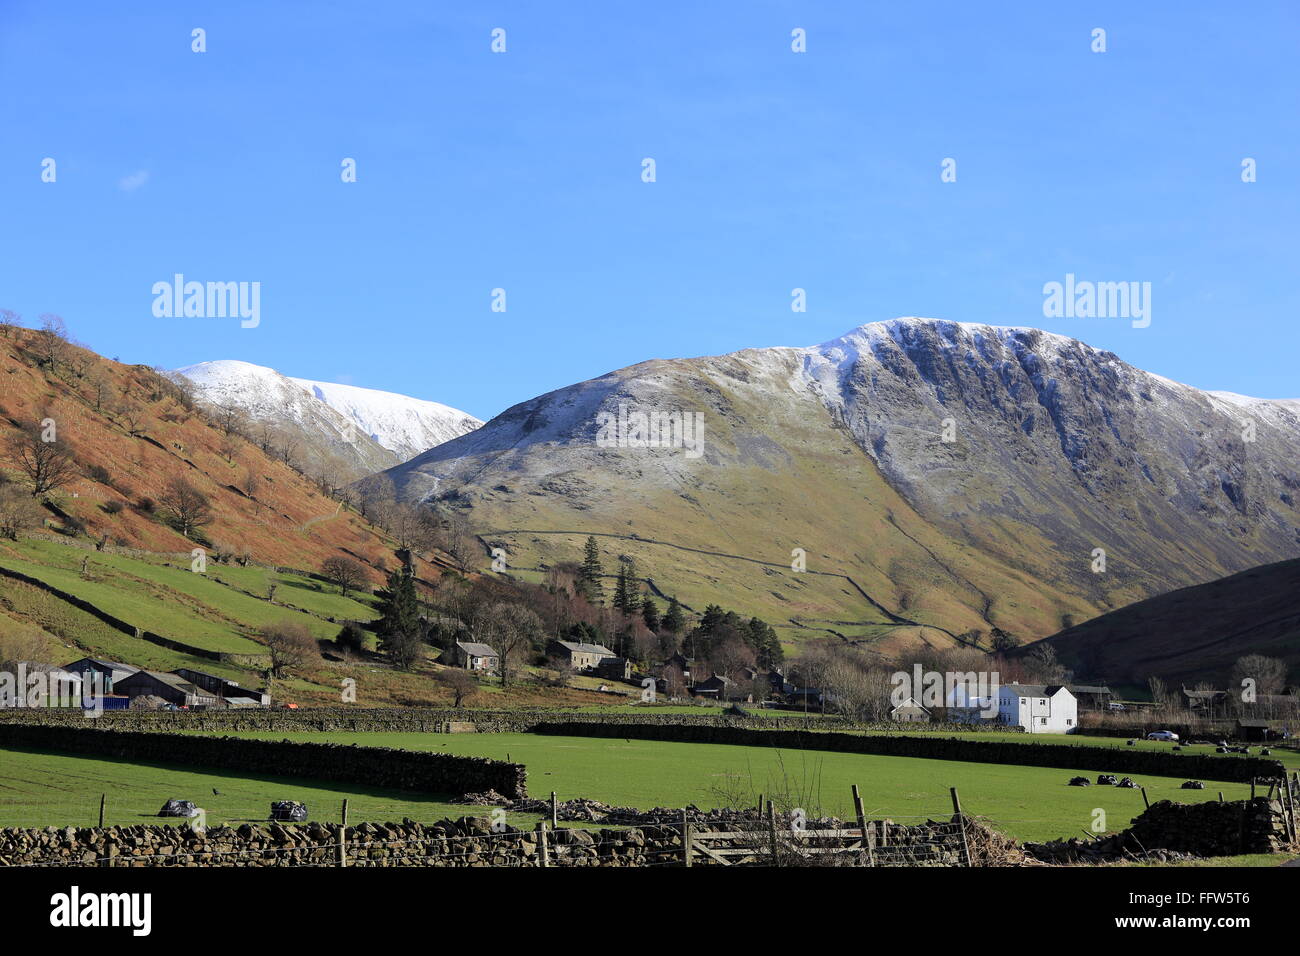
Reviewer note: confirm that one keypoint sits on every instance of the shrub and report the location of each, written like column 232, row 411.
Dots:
column 145, row 505
column 99, row 474
column 114, row 507
column 352, row 637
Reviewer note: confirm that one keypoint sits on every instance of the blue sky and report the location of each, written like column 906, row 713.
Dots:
column 522, row 170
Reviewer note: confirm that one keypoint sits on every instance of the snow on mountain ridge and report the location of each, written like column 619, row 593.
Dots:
column 403, row 425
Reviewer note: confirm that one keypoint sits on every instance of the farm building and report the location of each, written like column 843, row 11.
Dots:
column 172, row 688
column 910, row 712
column 578, row 655
column 1040, row 709
column 614, row 668
column 474, row 657
column 227, row 689
column 36, row 684
column 1091, row 696
column 110, row 671
column 1206, row 702
column 717, row 686
column 1257, row 730
column 682, row 663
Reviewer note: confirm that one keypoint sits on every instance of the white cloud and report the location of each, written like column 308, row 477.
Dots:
column 129, row 184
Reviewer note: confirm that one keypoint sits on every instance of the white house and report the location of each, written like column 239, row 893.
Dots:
column 1040, row 709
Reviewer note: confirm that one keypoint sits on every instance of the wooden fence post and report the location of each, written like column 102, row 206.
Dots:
column 1144, row 798
column 555, row 819
column 345, row 811
column 871, row 844
column 688, row 840
column 543, row 854
column 771, row 829
column 103, row 799
column 343, row 836
column 862, row 821
column 961, row 824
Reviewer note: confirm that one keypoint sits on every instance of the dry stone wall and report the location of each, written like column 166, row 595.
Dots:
column 1066, row 756
column 374, row 766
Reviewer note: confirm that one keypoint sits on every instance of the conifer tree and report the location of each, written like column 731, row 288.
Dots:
column 590, row 574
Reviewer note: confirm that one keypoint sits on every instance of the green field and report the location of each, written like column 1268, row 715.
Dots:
column 1025, row 802
column 216, row 610
column 40, row 789
column 1029, row 803
column 1288, row 758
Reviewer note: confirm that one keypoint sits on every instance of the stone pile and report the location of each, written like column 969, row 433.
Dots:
column 1170, row 831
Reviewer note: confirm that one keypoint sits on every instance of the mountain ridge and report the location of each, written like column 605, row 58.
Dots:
column 368, row 429
column 1058, row 449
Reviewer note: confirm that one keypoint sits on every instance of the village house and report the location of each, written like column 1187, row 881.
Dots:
column 228, row 691
column 172, row 688
column 1040, row 709
column 718, row 686
column 578, row 655
column 474, row 657
column 910, row 712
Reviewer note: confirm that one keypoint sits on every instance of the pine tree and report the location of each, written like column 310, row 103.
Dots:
column 631, row 587
column 591, row 573
column 399, row 622
column 674, row 621
column 650, row 614
column 620, row 589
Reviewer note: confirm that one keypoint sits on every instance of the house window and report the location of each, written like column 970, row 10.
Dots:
column 1042, row 720
column 1068, row 721
column 1022, row 700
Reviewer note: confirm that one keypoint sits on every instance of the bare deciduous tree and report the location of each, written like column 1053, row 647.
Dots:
column 9, row 320
column 461, row 683
column 348, row 573
column 18, row 512
column 51, row 341
column 511, row 629
column 48, row 464
column 186, row 508
column 291, row 646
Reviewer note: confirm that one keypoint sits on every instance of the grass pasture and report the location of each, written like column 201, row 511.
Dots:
column 40, row 789
column 1031, row 803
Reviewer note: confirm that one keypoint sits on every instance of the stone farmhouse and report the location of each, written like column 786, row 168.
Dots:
column 474, row 656
column 578, row 655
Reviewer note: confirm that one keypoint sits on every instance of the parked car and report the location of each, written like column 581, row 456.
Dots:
column 1162, row 735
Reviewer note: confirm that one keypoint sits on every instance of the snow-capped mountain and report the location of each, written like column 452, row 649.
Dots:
column 370, row 429
column 963, row 478
column 405, row 426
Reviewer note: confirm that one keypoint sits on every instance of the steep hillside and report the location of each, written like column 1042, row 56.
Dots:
column 1057, row 449
column 1194, row 633
column 130, row 433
